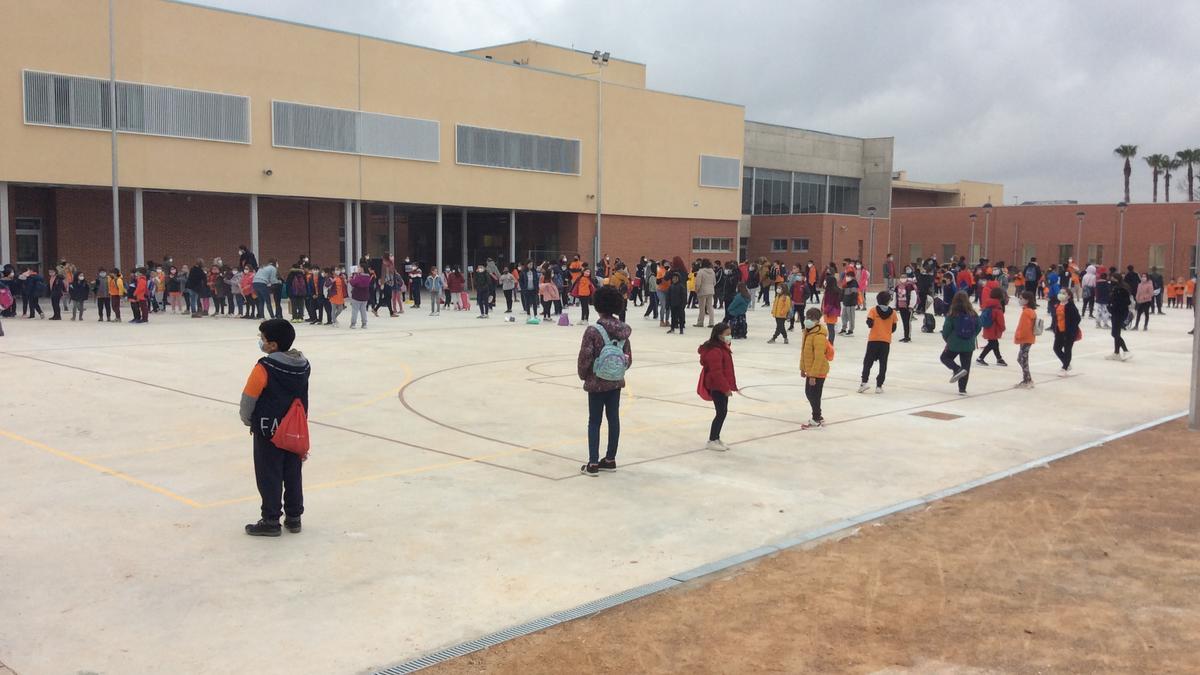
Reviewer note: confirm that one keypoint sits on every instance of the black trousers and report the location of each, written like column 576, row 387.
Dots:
column 508, row 301
column 964, row 363
column 585, row 302
column 877, row 351
column 1063, row 344
column 993, row 347
column 103, row 309
column 1118, row 322
column 906, row 322
column 279, row 484
column 677, row 317
column 813, row 387
column 721, row 403
column 780, row 329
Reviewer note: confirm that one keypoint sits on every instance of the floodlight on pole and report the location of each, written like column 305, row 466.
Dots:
column 1079, row 215
column 971, row 250
column 987, row 229
column 871, row 235
column 601, row 60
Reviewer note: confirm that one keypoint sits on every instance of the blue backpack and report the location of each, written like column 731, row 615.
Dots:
column 964, row 326
column 610, row 363
column 985, row 318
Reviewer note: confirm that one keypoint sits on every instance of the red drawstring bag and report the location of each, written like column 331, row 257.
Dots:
column 292, row 432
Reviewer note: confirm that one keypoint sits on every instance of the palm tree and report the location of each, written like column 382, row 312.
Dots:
column 1189, row 157
column 1156, row 164
column 1168, row 166
column 1126, row 152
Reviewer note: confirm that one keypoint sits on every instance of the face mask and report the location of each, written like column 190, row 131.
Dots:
column 883, row 305
column 262, row 345
column 1021, row 302
column 809, row 324
column 1062, row 297
column 727, row 338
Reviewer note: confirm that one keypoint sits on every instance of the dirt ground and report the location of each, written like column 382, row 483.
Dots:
column 1091, row 565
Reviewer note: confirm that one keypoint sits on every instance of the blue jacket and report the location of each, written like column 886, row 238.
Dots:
column 737, row 306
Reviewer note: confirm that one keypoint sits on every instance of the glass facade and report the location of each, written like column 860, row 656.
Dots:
column 771, row 192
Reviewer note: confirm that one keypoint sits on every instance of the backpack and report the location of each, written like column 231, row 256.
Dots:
column 929, row 324
column 985, row 319
column 610, row 363
column 6, row 298
column 1039, row 326
column 292, row 432
column 752, row 281
column 964, row 326
column 1031, row 273
column 298, row 287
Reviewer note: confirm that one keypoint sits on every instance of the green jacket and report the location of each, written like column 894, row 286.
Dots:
column 956, row 344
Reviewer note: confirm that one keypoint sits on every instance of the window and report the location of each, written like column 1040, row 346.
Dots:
column 948, row 252
column 712, row 245
column 779, row 245
column 311, row 127
column 1065, row 252
column 915, row 252
column 747, row 190
column 719, row 172
column 511, row 150
column 772, row 192
column 83, row 103
column 1095, row 254
column 799, row 245
column 843, row 195
column 1158, row 256
column 808, row 191
column 1030, row 252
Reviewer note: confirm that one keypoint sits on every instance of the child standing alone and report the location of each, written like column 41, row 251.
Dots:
column 279, row 378
column 881, row 321
column 814, row 364
column 717, row 379
column 1026, row 336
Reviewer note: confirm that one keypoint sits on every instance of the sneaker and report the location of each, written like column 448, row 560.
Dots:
column 785, row 341
column 607, row 464
column 263, row 528
column 591, row 470
column 292, row 525
column 878, row 390
column 812, row 424
column 1127, row 356
column 771, row 341
column 981, row 362
column 962, row 393
column 1002, row 362
column 906, row 339
column 1065, row 372
column 716, row 446
column 862, row 388
column 1113, row 357
column 958, row 376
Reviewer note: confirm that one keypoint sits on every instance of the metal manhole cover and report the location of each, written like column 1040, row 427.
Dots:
column 935, row 415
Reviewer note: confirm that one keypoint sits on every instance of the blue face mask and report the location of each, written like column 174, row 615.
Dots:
column 809, row 324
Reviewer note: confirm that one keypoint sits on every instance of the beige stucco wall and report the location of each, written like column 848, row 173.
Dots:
column 564, row 60
column 652, row 141
column 960, row 193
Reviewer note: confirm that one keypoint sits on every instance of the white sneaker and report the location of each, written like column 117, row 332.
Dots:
column 862, row 388
column 878, row 390
column 724, row 444
column 1127, row 356
column 958, row 376
column 716, row 446
column 812, row 424
column 1113, row 357
column 1064, row 373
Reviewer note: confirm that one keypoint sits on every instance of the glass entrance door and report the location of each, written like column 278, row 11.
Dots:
column 29, row 243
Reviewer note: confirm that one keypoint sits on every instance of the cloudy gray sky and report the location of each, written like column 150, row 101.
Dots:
column 1031, row 94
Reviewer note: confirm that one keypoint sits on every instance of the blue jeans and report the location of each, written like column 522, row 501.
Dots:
column 607, row 402
column 263, row 299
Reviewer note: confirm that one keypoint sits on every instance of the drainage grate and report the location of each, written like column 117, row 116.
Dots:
column 586, row 609
column 935, row 415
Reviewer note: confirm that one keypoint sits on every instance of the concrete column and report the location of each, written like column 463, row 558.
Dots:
column 392, row 229
column 358, row 249
column 512, row 236
column 254, row 225
column 5, row 234
column 348, row 228
column 439, row 237
column 464, row 241
column 139, row 230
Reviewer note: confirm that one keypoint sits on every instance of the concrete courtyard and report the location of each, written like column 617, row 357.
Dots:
column 443, row 499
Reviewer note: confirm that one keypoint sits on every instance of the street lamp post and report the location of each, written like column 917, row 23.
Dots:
column 601, row 60
column 1194, row 410
column 1079, row 233
column 1121, row 206
column 871, row 234
column 971, row 249
column 987, row 229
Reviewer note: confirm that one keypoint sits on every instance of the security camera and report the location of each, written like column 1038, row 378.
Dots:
column 267, row 172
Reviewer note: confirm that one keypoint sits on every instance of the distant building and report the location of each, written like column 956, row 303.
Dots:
column 910, row 193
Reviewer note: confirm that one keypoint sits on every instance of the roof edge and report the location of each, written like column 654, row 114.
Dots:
column 547, row 44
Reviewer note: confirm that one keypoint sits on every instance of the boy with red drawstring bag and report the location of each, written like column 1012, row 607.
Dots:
column 275, row 407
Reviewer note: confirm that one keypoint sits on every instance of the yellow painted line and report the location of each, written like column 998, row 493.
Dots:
column 99, row 467
column 375, row 399
column 378, row 476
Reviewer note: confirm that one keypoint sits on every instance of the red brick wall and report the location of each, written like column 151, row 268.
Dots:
column 630, row 237
column 33, row 203
column 84, row 227
column 1172, row 226
column 288, row 228
column 832, row 237
column 191, row 226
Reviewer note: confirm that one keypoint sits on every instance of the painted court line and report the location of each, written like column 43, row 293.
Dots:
column 799, row 539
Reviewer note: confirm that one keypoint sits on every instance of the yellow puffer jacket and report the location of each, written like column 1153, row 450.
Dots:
column 782, row 307
column 812, row 355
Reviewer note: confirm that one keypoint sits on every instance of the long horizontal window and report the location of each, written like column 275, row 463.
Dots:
column 512, row 150
column 712, row 245
column 719, row 172
column 84, row 103
column 771, row 192
column 313, row 127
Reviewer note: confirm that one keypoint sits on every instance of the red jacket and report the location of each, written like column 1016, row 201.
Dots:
column 996, row 330
column 716, row 373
